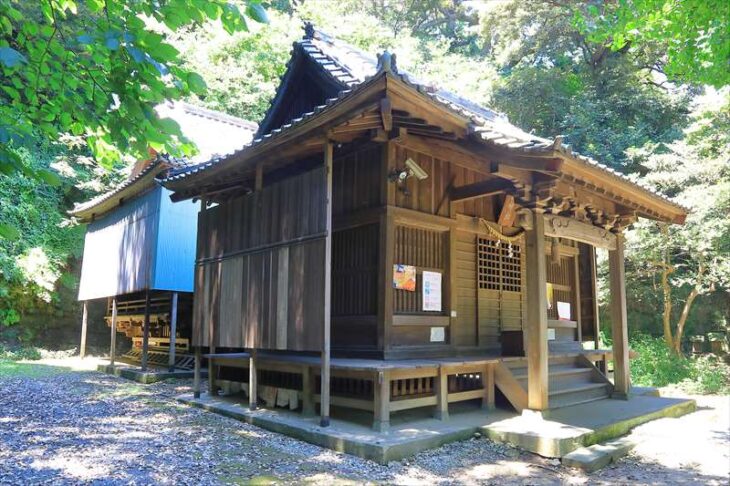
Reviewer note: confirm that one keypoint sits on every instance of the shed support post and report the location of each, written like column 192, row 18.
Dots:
column 146, row 330
column 325, row 373
column 196, row 373
column 113, row 343
column 307, row 392
column 619, row 324
column 84, row 327
column 382, row 401
column 173, row 332
column 442, row 394
column 536, row 325
column 252, row 381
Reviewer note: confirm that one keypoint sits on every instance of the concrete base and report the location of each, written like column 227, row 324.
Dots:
column 413, row 431
column 599, row 455
column 571, row 428
column 410, row 431
column 152, row 375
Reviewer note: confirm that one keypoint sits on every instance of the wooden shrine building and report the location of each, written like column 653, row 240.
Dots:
column 139, row 250
column 384, row 244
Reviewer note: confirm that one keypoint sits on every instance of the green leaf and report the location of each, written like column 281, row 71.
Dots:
column 49, row 177
column 196, row 83
column 10, row 57
column 257, row 12
column 9, row 232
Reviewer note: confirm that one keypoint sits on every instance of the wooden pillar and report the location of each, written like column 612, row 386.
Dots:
column 488, row 383
column 253, row 382
column 381, row 422
column 536, row 324
column 594, row 284
column 386, row 248
column 146, row 330
column 196, row 373
column 577, row 302
column 113, row 343
column 307, row 392
column 84, row 328
column 173, row 332
column 619, row 324
column 442, row 395
column 325, row 373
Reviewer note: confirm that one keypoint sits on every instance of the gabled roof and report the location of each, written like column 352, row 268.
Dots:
column 351, row 68
column 213, row 133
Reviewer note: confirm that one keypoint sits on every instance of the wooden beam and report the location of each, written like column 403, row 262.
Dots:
column 572, row 229
column 84, row 328
column 146, row 330
column 479, row 189
column 381, row 419
column 536, row 325
column 488, row 384
column 448, row 150
column 307, row 392
column 113, row 340
column 442, row 394
column 619, row 322
column 325, row 373
column 173, row 333
column 386, row 114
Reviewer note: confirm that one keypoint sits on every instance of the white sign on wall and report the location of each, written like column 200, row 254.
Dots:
column 431, row 291
column 438, row 334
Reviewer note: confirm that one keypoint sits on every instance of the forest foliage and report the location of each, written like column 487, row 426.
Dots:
column 621, row 92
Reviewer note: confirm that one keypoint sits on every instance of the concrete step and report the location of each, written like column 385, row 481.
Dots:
column 599, row 455
column 575, row 393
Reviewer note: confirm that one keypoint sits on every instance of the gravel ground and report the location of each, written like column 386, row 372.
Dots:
column 61, row 423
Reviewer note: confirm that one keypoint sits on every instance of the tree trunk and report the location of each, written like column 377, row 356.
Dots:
column 667, row 314
column 683, row 320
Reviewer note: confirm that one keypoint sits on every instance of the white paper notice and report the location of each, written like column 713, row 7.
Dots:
column 438, row 334
column 431, row 291
column 564, row 311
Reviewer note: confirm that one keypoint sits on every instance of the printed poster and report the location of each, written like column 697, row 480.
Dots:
column 431, row 291
column 404, row 277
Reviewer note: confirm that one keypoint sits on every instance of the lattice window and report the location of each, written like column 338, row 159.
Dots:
column 499, row 265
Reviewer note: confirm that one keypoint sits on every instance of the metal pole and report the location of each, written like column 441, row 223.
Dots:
column 113, row 345
column 173, row 332
column 146, row 330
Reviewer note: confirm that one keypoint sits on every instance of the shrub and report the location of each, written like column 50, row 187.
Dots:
column 657, row 366
column 21, row 353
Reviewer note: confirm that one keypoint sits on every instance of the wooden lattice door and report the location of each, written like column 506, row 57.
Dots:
column 500, row 284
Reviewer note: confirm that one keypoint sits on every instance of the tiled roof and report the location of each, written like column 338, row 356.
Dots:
column 351, row 67
column 210, row 130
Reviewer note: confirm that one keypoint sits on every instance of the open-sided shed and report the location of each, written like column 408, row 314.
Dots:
column 139, row 249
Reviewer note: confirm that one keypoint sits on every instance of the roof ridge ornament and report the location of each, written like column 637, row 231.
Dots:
column 386, row 63
column 308, row 30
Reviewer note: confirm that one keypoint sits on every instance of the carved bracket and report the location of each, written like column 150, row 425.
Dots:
column 562, row 227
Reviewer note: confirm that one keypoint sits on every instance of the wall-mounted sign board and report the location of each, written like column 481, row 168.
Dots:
column 431, row 285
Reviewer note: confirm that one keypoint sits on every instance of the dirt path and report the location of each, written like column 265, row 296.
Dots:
column 61, row 423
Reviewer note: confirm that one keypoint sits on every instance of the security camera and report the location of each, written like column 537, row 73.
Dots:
column 416, row 170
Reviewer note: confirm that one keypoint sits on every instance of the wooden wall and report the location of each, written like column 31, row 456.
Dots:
column 260, row 277
column 431, row 195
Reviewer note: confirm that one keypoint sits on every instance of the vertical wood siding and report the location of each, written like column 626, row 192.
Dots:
column 240, row 285
column 431, row 194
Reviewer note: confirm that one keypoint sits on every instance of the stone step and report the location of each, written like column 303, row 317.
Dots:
column 597, row 456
